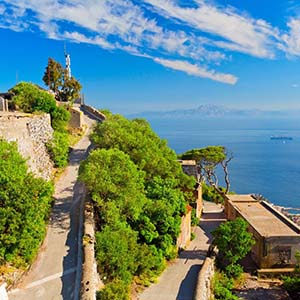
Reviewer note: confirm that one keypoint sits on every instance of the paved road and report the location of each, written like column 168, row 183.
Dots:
column 57, row 270
column 178, row 281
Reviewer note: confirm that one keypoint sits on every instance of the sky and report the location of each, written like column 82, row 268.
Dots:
column 139, row 55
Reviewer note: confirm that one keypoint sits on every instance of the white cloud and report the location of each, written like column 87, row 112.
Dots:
column 291, row 39
column 241, row 33
column 196, row 70
column 205, row 34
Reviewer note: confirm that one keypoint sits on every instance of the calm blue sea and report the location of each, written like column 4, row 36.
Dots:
column 260, row 165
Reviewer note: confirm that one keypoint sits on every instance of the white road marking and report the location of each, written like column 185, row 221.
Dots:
column 46, row 279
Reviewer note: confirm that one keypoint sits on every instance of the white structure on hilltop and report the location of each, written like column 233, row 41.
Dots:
column 68, row 64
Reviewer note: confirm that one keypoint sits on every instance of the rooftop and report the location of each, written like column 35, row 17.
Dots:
column 263, row 217
column 187, row 162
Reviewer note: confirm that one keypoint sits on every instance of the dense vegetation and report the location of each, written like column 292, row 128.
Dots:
column 24, row 207
column 30, row 98
column 234, row 243
column 292, row 283
column 137, row 186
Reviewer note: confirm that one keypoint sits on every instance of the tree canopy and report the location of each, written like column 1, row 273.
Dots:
column 208, row 159
column 65, row 89
column 234, row 242
column 138, row 189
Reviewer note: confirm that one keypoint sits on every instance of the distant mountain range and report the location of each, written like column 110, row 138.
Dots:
column 218, row 111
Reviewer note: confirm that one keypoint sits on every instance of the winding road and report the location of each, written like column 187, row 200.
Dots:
column 178, row 281
column 56, row 273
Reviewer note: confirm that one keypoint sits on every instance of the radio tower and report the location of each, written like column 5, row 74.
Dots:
column 68, row 64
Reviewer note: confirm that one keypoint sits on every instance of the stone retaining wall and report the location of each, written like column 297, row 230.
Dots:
column 203, row 288
column 90, row 282
column 99, row 116
column 31, row 133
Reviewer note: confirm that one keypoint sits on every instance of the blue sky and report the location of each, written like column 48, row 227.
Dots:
column 137, row 55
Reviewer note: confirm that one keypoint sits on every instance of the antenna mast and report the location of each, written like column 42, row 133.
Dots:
column 68, row 63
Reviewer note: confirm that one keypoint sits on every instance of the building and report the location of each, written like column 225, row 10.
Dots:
column 4, row 99
column 277, row 238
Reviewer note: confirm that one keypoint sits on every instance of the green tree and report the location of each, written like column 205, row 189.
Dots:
column 234, row 242
column 65, row 89
column 208, row 159
column 24, row 207
column 121, row 181
column 70, row 90
column 53, row 76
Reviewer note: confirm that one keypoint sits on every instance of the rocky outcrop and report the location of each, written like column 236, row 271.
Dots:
column 31, row 133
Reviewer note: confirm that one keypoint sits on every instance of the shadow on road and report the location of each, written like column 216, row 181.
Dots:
column 187, row 286
column 70, row 259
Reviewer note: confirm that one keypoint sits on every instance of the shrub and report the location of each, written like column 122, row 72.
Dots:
column 60, row 118
column 234, row 270
column 115, row 290
column 29, row 98
column 24, row 207
column 292, row 283
column 222, row 287
column 58, row 149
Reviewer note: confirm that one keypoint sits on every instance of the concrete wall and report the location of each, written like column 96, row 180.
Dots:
column 280, row 251
column 3, row 104
column 185, row 230
column 199, row 201
column 31, row 133
column 203, row 288
column 93, row 112
column 76, row 120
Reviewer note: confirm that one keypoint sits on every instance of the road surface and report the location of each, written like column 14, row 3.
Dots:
column 57, row 270
column 178, row 281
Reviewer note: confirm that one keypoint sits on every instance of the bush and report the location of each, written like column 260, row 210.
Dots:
column 292, row 283
column 234, row 270
column 115, row 290
column 24, row 207
column 58, row 149
column 60, row 118
column 222, row 287
column 29, row 98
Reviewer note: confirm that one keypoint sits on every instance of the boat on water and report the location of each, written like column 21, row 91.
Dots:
column 281, row 137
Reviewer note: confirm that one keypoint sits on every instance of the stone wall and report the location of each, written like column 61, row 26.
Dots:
column 185, row 229
column 31, row 133
column 203, row 288
column 90, row 281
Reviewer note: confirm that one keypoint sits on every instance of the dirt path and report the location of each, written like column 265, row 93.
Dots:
column 56, row 272
column 178, row 281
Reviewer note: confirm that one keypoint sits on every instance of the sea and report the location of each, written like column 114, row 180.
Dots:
column 261, row 165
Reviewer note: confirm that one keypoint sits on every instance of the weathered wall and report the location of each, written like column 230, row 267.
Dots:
column 199, row 201
column 203, row 288
column 93, row 112
column 31, row 133
column 76, row 120
column 185, row 230
column 90, row 282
